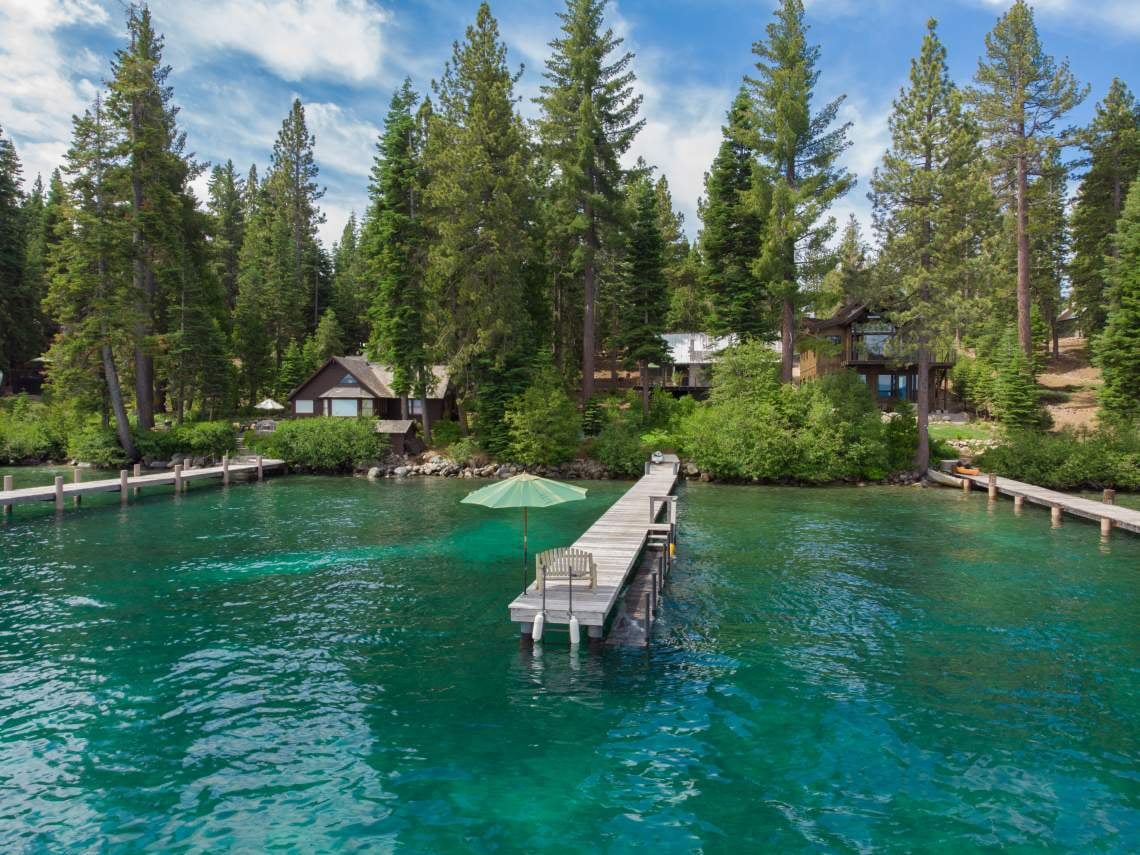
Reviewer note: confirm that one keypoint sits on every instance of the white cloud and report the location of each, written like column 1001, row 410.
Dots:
column 344, row 142
column 295, row 39
column 41, row 85
column 1121, row 17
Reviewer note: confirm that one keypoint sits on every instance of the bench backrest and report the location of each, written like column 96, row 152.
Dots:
column 565, row 563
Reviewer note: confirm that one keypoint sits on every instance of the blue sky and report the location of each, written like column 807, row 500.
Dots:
column 237, row 65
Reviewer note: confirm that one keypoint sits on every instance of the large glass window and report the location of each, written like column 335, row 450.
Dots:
column 366, row 406
column 884, row 387
column 345, row 407
column 904, row 386
column 415, row 407
column 303, row 408
column 348, row 380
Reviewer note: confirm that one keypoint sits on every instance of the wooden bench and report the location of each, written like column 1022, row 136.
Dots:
column 565, row 563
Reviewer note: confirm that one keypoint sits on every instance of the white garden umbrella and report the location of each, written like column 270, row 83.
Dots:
column 268, row 404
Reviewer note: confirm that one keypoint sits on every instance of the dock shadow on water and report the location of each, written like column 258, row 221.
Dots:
column 325, row 664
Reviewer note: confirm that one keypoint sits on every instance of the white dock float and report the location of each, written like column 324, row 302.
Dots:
column 615, row 540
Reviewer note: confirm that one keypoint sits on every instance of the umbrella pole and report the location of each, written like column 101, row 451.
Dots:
column 524, row 553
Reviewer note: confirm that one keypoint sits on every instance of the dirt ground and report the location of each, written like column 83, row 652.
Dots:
column 1070, row 385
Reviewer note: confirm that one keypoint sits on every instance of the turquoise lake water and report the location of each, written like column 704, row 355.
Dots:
column 319, row 664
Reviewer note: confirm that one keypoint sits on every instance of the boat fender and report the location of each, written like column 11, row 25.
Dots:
column 536, row 632
column 575, row 634
column 672, row 549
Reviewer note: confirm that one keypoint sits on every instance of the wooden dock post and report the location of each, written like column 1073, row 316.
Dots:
column 1109, row 497
column 1055, row 516
column 137, row 472
column 7, row 487
column 225, row 470
column 177, row 478
column 1018, row 504
column 1105, row 526
column 966, row 485
column 59, row 492
column 76, row 478
column 124, row 493
column 260, row 469
column 993, row 490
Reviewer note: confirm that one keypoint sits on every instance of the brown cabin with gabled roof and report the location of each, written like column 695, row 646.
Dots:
column 355, row 387
column 860, row 338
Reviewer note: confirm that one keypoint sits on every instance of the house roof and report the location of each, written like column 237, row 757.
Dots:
column 394, row 425
column 373, row 377
column 846, row 315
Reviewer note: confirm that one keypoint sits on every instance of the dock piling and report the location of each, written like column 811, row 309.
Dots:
column 177, row 478
column 7, row 487
column 260, row 472
column 1109, row 497
column 1055, row 516
column 1105, row 526
column 993, row 490
column 59, row 492
column 966, row 485
column 124, row 493
column 77, row 478
column 225, row 470
column 137, row 472
column 1018, row 504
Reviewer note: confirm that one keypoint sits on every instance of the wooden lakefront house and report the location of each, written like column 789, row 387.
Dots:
column 861, row 339
column 354, row 387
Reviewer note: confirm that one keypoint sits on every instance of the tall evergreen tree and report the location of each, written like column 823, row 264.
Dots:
column 737, row 198
column 1112, row 145
column 850, row 281
column 644, row 297
column 350, row 290
column 226, row 189
column 140, row 103
column 1048, row 244
column 258, row 327
column 801, row 151
column 91, row 295
column 42, row 213
column 481, row 207
column 589, row 119
column 1118, row 347
column 930, row 205
column 1019, row 96
column 13, row 285
column 395, row 245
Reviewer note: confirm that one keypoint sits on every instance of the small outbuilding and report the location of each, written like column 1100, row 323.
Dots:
column 401, row 435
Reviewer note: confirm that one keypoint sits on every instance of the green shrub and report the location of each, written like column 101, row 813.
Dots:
column 445, row 433
column 200, row 439
column 98, row 446
column 619, row 447
column 1070, row 459
column 543, row 422
column 467, row 450
column 324, row 444
column 31, row 430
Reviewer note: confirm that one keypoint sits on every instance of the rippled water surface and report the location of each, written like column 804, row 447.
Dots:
column 319, row 664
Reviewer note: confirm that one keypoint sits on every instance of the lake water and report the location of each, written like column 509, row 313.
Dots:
column 320, row 664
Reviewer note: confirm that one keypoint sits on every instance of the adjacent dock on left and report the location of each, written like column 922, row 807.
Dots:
column 126, row 482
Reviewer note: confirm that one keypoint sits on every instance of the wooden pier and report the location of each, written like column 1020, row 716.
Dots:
column 1107, row 514
column 126, row 483
column 616, row 542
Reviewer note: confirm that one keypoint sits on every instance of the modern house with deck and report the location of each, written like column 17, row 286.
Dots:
column 861, row 339
column 355, row 387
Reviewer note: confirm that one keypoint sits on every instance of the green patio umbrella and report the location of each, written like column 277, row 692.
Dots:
column 525, row 491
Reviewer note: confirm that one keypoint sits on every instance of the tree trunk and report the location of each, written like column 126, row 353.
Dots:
column 404, row 406
column 643, row 368
column 922, row 411
column 590, row 286
column 426, row 419
column 1024, row 331
column 787, row 339
column 144, row 363
column 116, row 393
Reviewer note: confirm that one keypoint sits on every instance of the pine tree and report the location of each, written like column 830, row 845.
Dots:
column 295, row 193
column 42, row 213
column 349, row 285
column 294, row 369
column 732, row 214
column 1112, row 143
column 1016, row 401
column 1118, row 347
column 480, row 203
column 328, row 340
column 850, row 280
column 91, row 295
column 930, row 210
column 13, row 284
column 689, row 307
column 1020, row 95
column 1048, row 245
column 395, row 249
column 801, row 151
column 589, row 119
column 644, row 297
column 140, row 103
column 226, row 189
column 257, row 323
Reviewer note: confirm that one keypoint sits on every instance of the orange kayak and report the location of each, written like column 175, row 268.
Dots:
column 966, row 470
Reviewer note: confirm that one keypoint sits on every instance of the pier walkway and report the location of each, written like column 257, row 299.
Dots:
column 179, row 477
column 1108, row 515
column 616, row 541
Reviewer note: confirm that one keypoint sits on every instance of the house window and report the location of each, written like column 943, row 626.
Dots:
column 366, row 406
column 835, row 339
column 903, row 386
column 303, row 408
column 345, row 407
column 348, row 380
column 884, row 387
column 415, row 407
